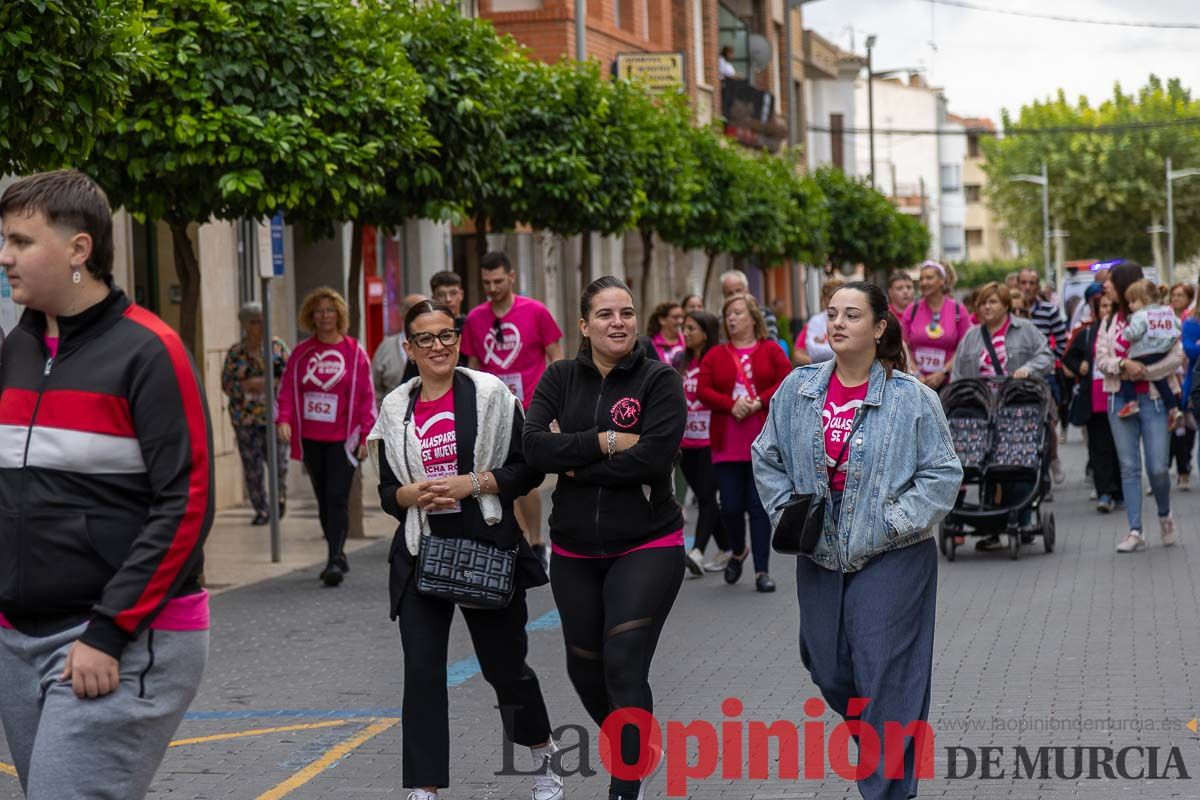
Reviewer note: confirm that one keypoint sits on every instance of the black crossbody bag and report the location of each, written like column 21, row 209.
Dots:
column 803, row 521
column 466, row 572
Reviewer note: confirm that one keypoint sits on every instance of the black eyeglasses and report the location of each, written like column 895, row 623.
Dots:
column 498, row 330
column 448, row 337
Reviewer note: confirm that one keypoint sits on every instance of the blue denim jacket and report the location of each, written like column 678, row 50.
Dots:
column 902, row 477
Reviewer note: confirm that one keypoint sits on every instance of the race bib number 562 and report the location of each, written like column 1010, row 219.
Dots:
column 320, row 407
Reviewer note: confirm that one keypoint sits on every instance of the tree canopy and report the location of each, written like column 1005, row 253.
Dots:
column 1106, row 188
column 65, row 67
column 865, row 228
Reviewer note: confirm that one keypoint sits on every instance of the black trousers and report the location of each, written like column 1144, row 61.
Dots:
column 1102, row 455
column 612, row 611
column 330, row 473
column 500, row 646
column 697, row 466
column 1182, row 444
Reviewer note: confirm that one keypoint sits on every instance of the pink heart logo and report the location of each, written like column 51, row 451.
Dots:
column 502, row 354
column 325, row 369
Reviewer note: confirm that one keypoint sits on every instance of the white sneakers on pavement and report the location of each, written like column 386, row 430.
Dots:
column 695, row 563
column 718, row 561
column 547, row 784
column 1166, row 526
column 1132, row 543
column 421, row 794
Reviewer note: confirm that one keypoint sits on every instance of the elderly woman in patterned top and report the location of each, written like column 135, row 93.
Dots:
column 243, row 379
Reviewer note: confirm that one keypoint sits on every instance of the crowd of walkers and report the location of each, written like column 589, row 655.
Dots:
column 464, row 416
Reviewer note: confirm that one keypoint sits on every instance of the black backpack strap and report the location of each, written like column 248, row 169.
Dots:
column 991, row 350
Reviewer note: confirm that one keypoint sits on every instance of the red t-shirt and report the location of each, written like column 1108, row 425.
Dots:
column 986, row 368
column 512, row 347
column 695, row 435
column 841, row 404
column 325, row 378
column 434, row 420
column 739, row 435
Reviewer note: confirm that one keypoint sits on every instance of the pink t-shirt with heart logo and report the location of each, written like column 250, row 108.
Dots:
column 512, row 347
column 326, row 393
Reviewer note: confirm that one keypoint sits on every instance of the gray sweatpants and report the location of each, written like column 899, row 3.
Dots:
column 107, row 748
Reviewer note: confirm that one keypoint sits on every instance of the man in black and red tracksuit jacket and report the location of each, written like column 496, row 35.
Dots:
column 105, row 501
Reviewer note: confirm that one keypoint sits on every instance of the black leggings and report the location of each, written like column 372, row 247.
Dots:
column 697, row 466
column 612, row 611
column 330, row 473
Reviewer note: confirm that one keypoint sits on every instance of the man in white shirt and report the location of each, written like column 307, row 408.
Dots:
column 724, row 63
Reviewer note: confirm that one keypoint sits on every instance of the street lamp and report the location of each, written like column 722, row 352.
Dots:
column 1042, row 180
column 787, row 69
column 580, row 30
column 871, row 108
column 1172, row 176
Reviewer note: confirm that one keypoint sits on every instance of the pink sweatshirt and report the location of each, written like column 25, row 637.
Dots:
column 326, row 393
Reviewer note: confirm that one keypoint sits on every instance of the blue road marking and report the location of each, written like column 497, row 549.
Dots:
column 457, row 674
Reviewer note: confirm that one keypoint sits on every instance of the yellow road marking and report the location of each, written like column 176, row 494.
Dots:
column 8, row 769
column 331, row 756
column 258, row 732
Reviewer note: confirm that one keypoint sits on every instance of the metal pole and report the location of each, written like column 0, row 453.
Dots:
column 269, row 385
column 580, row 30
column 1046, row 222
column 1170, row 228
column 871, row 112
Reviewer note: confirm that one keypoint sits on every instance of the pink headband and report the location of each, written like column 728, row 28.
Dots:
column 934, row 265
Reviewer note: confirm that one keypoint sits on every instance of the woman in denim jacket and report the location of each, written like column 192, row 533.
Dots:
column 873, row 440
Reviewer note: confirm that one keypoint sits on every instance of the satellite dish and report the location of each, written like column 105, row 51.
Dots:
column 760, row 51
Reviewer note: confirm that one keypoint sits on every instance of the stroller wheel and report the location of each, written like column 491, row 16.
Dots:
column 1014, row 546
column 1048, row 533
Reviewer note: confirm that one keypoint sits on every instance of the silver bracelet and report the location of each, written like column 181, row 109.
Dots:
column 612, row 443
column 475, row 490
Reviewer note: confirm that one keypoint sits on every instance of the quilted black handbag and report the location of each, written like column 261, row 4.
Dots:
column 467, row 572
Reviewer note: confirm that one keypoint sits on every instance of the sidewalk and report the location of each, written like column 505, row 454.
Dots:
column 238, row 553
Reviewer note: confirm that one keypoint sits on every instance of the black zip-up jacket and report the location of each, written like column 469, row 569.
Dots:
column 608, row 505
column 105, row 473
column 514, row 479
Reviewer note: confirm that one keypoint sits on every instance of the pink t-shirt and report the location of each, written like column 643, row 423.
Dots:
column 325, row 378
column 934, row 338
column 695, row 435
column 1099, row 398
column 667, row 352
column 187, row 613
column 841, row 405
column 670, row 540
column 434, row 420
column 986, row 368
column 51, row 345
column 512, row 347
column 739, row 435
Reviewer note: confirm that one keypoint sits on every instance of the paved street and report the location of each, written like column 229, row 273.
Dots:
column 310, row 679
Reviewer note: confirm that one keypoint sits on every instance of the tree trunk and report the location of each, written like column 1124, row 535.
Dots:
column 712, row 258
column 481, row 245
column 354, row 280
column 647, row 266
column 187, row 269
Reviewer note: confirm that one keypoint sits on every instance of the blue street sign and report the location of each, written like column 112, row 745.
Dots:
column 277, row 244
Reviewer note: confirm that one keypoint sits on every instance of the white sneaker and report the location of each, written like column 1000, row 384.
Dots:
column 1166, row 526
column 547, row 784
column 1132, row 543
column 421, row 794
column 717, row 562
column 662, row 759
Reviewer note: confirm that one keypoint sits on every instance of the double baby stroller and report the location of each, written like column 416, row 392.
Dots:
column 999, row 428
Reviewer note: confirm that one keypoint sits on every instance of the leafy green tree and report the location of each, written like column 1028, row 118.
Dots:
column 569, row 156
column 1105, row 188
column 65, row 67
column 667, row 166
column 264, row 105
column 805, row 213
column 865, row 228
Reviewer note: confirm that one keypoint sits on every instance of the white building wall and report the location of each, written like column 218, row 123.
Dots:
column 823, row 98
column 952, row 147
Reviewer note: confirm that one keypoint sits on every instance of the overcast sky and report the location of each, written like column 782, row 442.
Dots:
column 990, row 61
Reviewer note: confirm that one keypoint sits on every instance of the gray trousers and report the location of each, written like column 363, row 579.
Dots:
column 107, row 748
